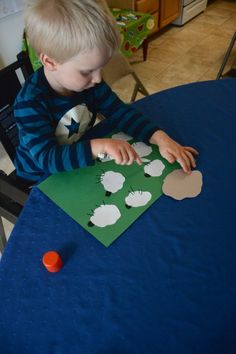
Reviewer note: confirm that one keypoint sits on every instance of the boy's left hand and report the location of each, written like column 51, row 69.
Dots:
column 172, row 151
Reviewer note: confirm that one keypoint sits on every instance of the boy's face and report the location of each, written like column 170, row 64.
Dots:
column 81, row 72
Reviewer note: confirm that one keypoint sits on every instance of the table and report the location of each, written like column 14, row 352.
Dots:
column 166, row 286
column 134, row 27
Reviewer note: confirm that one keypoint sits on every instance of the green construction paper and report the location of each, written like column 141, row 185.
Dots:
column 79, row 192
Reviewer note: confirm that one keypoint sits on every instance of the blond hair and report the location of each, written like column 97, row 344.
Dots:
column 63, row 28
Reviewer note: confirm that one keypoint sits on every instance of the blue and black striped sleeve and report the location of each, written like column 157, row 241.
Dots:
column 124, row 117
column 37, row 134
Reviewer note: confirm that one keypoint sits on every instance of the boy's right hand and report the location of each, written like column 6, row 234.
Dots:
column 121, row 151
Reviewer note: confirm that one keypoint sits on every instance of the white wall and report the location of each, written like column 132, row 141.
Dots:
column 11, row 29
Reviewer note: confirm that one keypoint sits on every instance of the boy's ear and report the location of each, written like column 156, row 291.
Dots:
column 48, row 62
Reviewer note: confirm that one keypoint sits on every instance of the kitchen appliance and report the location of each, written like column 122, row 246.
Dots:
column 190, row 9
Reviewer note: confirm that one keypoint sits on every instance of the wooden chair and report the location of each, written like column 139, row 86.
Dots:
column 119, row 67
column 13, row 190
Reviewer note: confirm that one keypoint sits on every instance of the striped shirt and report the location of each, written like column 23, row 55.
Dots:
column 51, row 126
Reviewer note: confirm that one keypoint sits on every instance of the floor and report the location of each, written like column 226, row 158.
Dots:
column 181, row 55
column 177, row 56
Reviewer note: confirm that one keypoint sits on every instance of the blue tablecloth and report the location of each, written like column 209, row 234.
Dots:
column 167, row 286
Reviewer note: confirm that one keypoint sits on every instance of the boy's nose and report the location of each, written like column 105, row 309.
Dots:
column 97, row 77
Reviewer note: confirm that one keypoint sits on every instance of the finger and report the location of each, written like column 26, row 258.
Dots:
column 168, row 156
column 125, row 158
column 133, row 156
column 138, row 160
column 187, row 161
column 191, row 158
column 184, row 163
column 192, row 150
column 118, row 158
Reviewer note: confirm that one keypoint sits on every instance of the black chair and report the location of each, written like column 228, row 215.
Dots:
column 232, row 71
column 13, row 190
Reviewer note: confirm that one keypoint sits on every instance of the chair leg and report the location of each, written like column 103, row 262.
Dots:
column 135, row 92
column 226, row 57
column 3, row 239
column 139, row 87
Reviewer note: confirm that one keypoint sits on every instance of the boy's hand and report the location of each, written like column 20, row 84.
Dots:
column 122, row 152
column 172, row 151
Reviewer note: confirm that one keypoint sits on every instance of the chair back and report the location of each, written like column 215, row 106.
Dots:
column 10, row 85
column 117, row 67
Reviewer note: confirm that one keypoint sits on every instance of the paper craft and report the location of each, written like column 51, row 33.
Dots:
column 122, row 136
column 104, row 215
column 142, row 150
column 112, row 182
column 180, row 185
column 105, row 199
column 137, row 199
column 154, row 168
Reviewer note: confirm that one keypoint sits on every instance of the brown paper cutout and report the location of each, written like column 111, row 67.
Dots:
column 180, row 185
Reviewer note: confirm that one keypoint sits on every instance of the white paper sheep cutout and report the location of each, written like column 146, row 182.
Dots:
column 122, row 136
column 112, row 182
column 154, row 168
column 137, row 199
column 142, row 150
column 104, row 215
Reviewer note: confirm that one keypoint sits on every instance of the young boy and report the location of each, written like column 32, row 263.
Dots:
column 59, row 102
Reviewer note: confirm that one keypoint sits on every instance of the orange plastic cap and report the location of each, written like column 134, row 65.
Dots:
column 52, row 261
